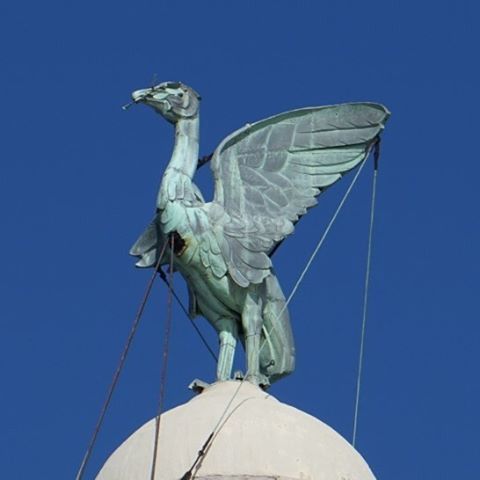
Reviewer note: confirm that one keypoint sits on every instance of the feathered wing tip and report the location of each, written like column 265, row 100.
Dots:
column 148, row 246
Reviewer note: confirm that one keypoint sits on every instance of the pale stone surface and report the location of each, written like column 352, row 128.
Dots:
column 259, row 438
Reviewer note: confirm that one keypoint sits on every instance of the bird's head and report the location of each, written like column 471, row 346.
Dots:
column 173, row 100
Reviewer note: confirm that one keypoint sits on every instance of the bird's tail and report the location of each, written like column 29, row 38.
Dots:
column 277, row 355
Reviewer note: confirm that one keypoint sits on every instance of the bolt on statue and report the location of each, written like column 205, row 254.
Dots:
column 267, row 175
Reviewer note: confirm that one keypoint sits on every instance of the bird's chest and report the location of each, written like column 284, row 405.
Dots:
column 189, row 229
column 217, row 295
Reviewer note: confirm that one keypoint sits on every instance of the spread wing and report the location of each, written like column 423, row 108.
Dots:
column 269, row 173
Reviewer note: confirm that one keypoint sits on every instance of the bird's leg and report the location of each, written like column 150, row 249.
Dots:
column 252, row 326
column 228, row 341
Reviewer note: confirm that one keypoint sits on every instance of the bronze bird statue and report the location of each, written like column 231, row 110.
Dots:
column 267, row 175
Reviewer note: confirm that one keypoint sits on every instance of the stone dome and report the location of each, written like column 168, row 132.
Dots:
column 259, row 438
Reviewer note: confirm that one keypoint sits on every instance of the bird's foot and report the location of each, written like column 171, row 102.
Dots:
column 198, row 386
column 258, row 379
column 238, row 375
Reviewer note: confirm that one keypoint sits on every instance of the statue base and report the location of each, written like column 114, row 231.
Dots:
column 254, row 437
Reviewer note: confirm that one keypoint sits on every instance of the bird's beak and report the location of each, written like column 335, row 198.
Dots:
column 140, row 95
column 144, row 95
column 153, row 97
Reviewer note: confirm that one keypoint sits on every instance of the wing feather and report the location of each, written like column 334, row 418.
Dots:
column 268, row 174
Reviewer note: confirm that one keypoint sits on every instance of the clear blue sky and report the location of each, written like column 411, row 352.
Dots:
column 78, row 184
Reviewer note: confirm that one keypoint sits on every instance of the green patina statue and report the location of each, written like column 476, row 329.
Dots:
column 267, row 175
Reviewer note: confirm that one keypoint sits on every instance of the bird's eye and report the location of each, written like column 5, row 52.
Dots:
column 180, row 94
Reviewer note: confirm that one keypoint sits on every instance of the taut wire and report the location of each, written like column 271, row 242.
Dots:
column 361, row 354
column 121, row 364
column 163, row 373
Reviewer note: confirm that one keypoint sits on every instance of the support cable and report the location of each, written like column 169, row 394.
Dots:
column 190, row 473
column 319, row 244
column 126, row 349
column 185, row 311
column 376, row 155
column 163, row 373
column 121, row 364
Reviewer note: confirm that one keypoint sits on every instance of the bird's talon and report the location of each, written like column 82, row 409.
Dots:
column 259, row 380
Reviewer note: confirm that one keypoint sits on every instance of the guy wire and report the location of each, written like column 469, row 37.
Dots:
column 190, row 473
column 163, row 374
column 121, row 364
column 185, row 311
column 365, row 293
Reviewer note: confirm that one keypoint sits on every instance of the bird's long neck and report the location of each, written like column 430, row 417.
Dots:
column 184, row 158
column 185, row 151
